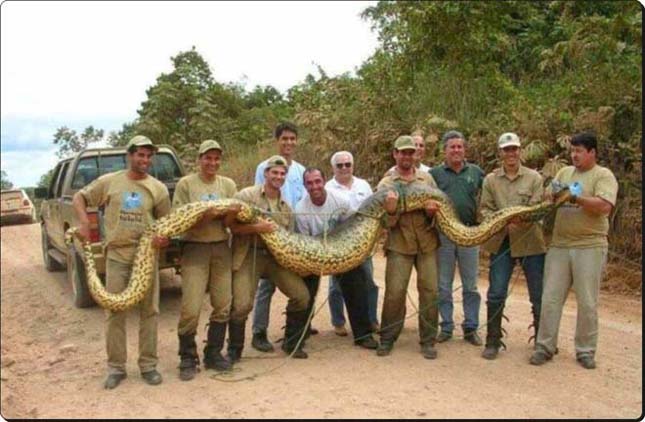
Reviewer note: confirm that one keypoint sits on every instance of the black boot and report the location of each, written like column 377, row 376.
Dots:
column 493, row 330
column 296, row 323
column 535, row 325
column 235, row 340
column 261, row 343
column 213, row 358
column 189, row 360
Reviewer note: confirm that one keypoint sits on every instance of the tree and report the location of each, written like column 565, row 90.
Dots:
column 5, row 183
column 45, row 179
column 70, row 142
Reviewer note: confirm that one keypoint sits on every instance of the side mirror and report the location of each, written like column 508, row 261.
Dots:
column 40, row 193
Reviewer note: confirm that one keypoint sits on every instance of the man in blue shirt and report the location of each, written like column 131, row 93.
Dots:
column 286, row 136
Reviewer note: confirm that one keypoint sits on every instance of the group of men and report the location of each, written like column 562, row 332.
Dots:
column 230, row 261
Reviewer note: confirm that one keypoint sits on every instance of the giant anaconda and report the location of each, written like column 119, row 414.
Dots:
column 340, row 250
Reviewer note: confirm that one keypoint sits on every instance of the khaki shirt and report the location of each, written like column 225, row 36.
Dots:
column 575, row 228
column 130, row 206
column 254, row 195
column 413, row 232
column 193, row 188
column 499, row 192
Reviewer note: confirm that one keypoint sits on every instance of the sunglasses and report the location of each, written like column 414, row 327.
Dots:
column 341, row 165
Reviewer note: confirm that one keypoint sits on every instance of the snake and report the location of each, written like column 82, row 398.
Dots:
column 342, row 249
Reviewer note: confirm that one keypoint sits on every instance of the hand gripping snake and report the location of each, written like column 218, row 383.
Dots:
column 340, row 250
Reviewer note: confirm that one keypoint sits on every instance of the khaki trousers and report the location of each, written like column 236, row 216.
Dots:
column 116, row 280
column 581, row 269
column 204, row 265
column 398, row 268
column 245, row 283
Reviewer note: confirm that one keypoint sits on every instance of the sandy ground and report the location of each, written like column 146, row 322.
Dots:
column 53, row 363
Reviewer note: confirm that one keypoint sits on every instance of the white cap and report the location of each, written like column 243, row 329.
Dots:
column 508, row 139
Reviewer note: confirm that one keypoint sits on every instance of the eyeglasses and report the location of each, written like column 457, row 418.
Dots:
column 341, row 165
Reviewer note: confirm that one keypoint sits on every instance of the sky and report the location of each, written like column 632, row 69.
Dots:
column 77, row 64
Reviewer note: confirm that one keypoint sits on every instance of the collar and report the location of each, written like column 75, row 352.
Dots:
column 521, row 171
column 418, row 175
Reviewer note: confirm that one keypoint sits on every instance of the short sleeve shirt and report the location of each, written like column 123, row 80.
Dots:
column 499, row 192
column 462, row 188
column 193, row 188
column 413, row 232
column 359, row 192
column 293, row 189
column 130, row 206
column 314, row 220
column 574, row 227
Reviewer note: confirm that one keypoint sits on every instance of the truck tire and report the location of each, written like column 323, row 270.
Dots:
column 78, row 279
column 50, row 263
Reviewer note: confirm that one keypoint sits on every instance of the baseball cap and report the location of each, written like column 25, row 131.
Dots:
column 208, row 145
column 404, row 142
column 508, row 139
column 141, row 141
column 277, row 160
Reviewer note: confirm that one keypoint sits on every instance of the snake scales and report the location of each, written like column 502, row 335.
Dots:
column 340, row 250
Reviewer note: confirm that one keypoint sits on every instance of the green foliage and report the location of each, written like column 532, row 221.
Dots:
column 69, row 142
column 4, row 181
column 46, row 179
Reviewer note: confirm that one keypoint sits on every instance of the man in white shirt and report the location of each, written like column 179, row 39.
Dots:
column 356, row 190
column 320, row 212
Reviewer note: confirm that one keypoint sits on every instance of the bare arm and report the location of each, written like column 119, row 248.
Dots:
column 594, row 205
column 80, row 208
column 259, row 227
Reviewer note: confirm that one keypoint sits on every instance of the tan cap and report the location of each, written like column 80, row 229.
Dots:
column 277, row 160
column 141, row 141
column 404, row 142
column 208, row 145
column 508, row 139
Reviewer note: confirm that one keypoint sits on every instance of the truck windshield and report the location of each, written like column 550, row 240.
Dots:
column 163, row 168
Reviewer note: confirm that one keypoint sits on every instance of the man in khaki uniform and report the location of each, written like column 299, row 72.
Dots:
column 411, row 242
column 252, row 260
column 133, row 199
column 578, row 252
column 205, row 262
column 510, row 185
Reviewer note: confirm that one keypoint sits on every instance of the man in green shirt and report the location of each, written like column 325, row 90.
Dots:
column 577, row 253
column 133, row 200
column 510, row 185
column 461, row 181
column 205, row 263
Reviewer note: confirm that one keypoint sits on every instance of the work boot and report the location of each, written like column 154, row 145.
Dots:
column 428, row 351
column 444, row 336
column 213, row 358
column 261, row 343
column 493, row 330
column 472, row 337
column 152, row 377
column 384, row 348
column 539, row 357
column 113, row 380
column 296, row 323
column 235, row 340
column 188, row 358
column 367, row 342
column 586, row 360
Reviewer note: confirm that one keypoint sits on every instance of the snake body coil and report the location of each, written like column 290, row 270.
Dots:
column 344, row 248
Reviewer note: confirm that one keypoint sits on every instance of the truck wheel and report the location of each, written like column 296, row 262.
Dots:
column 50, row 263
column 78, row 279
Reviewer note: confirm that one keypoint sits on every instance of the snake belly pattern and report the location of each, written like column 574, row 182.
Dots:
column 340, row 250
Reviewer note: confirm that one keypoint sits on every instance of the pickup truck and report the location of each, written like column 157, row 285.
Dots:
column 57, row 213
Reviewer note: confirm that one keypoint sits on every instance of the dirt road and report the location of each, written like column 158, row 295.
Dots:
column 53, row 363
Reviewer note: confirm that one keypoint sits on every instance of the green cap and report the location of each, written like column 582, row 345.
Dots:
column 208, row 145
column 277, row 160
column 404, row 142
column 141, row 141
